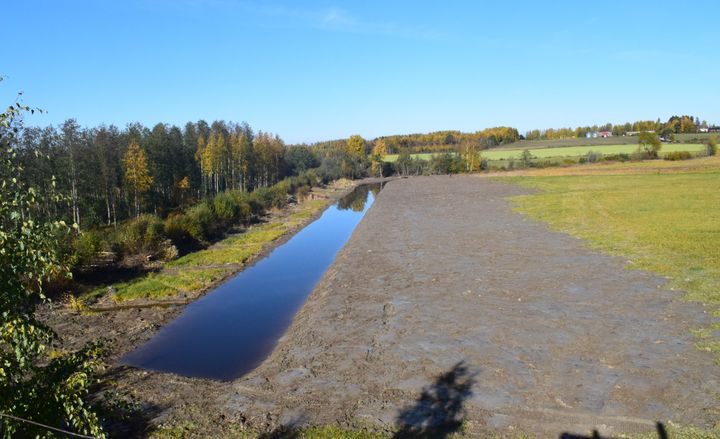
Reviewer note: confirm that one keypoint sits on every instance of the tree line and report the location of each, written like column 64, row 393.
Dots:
column 139, row 193
column 674, row 125
column 436, row 141
column 113, row 174
column 453, row 140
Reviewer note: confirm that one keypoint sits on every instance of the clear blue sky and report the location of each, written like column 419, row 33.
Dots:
column 318, row 70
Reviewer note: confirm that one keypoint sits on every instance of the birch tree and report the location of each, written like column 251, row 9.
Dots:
column 136, row 172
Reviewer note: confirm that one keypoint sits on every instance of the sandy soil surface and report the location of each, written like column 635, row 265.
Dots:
column 446, row 305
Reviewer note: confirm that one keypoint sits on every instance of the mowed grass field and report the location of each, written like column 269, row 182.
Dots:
column 668, row 223
column 392, row 158
column 603, row 141
column 577, row 151
column 564, row 151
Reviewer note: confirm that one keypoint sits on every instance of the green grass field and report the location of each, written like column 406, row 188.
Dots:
column 666, row 223
column 392, row 158
column 564, row 151
column 695, row 137
column 600, row 141
column 577, row 151
column 582, row 141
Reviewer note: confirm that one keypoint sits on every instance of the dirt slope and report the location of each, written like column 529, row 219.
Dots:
column 447, row 305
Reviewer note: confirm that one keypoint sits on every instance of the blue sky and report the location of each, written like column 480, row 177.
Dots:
column 318, row 70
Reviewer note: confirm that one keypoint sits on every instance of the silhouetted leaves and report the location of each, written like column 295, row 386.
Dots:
column 438, row 412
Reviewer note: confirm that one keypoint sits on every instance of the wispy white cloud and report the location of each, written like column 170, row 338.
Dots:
column 330, row 19
column 338, row 18
column 335, row 19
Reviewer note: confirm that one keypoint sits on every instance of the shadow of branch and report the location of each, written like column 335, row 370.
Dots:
column 438, row 412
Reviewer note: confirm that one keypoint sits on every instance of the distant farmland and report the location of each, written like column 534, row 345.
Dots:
column 577, row 151
column 392, row 158
column 688, row 138
column 564, row 151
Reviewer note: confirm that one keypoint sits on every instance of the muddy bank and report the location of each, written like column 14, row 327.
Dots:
column 127, row 325
column 552, row 336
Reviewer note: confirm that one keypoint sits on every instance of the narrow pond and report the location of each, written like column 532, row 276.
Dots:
column 231, row 330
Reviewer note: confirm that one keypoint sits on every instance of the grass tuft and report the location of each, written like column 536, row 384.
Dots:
column 159, row 286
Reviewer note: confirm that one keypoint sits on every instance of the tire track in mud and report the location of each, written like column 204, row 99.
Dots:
column 441, row 271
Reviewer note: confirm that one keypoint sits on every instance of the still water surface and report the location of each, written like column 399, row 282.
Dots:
column 231, row 330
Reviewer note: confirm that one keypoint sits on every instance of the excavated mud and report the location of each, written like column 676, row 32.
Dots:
column 446, row 306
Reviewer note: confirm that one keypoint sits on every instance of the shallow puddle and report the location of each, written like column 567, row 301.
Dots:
column 231, row 330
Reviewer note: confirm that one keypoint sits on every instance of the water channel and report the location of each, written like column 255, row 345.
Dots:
column 232, row 329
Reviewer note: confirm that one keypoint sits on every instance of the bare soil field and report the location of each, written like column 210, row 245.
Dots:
column 445, row 303
column 446, row 307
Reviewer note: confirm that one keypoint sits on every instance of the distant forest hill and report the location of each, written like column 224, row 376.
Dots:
column 502, row 136
column 438, row 140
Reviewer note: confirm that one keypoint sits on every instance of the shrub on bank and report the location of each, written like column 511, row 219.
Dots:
column 266, row 197
column 226, row 208
column 302, row 192
column 201, row 221
column 677, row 155
column 244, row 210
column 280, row 192
column 445, row 164
column 88, row 245
column 639, row 155
column 178, row 230
column 144, row 234
column 192, row 229
column 594, row 157
column 621, row 157
column 526, row 159
column 548, row 163
column 711, row 146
